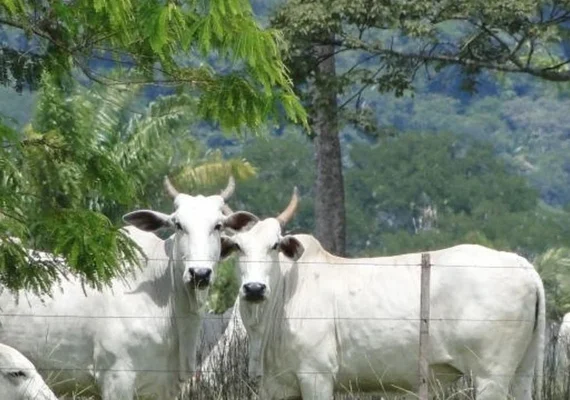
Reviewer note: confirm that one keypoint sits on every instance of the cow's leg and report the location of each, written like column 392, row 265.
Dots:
column 492, row 388
column 522, row 386
column 189, row 328
column 315, row 386
column 117, row 384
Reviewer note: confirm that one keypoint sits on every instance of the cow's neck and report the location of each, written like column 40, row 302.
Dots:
column 187, row 301
column 272, row 318
column 186, row 308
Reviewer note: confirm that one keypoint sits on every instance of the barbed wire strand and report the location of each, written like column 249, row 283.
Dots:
column 215, row 318
column 345, row 262
column 173, row 371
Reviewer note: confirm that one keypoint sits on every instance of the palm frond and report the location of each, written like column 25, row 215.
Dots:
column 101, row 109
column 214, row 170
column 554, row 269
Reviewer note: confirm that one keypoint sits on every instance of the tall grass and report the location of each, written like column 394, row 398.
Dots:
column 229, row 380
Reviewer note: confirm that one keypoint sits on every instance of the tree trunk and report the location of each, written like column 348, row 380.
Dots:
column 330, row 226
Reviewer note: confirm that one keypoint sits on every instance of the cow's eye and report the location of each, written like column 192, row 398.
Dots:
column 275, row 246
column 17, row 374
column 178, row 225
column 218, row 226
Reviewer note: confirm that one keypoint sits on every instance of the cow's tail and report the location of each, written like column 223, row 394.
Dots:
column 533, row 360
column 538, row 340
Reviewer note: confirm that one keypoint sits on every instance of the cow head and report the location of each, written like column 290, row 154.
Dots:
column 19, row 379
column 198, row 222
column 258, row 244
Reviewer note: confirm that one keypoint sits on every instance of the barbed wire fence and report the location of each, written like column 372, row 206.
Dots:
column 556, row 377
column 230, row 381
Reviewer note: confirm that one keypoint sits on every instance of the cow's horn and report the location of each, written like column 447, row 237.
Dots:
column 288, row 213
column 169, row 188
column 229, row 190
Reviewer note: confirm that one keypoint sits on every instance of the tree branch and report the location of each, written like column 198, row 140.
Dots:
column 357, row 64
column 362, row 88
column 35, row 31
column 545, row 73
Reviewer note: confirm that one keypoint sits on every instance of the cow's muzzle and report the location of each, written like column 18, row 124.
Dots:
column 254, row 292
column 200, row 277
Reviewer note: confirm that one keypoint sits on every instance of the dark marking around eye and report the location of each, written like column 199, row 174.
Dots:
column 177, row 225
column 218, row 226
column 17, row 374
column 275, row 246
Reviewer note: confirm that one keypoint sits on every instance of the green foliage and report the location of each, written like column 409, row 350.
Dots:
column 283, row 162
column 420, row 191
column 161, row 41
column 215, row 166
column 554, row 268
column 385, row 46
column 529, row 128
column 478, row 196
column 225, row 287
column 89, row 157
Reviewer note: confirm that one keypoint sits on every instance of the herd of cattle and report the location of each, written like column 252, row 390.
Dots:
column 315, row 323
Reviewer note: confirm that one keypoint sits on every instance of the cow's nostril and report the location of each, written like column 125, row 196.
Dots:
column 254, row 288
column 200, row 274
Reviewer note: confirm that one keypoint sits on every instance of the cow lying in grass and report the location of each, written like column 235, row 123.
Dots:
column 19, row 379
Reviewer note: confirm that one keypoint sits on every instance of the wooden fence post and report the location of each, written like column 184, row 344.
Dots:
column 424, row 328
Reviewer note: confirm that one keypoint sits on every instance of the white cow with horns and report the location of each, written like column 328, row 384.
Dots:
column 139, row 337
column 317, row 323
column 19, row 379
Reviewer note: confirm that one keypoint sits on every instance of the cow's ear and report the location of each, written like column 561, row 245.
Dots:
column 228, row 247
column 240, row 221
column 291, row 247
column 148, row 220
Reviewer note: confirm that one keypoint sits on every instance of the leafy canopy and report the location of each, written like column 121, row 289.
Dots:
column 88, row 157
column 386, row 45
column 214, row 49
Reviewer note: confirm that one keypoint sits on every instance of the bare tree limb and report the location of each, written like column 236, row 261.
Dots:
column 454, row 59
column 361, row 90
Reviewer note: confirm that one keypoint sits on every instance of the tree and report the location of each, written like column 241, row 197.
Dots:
column 282, row 162
column 424, row 191
column 330, row 225
column 65, row 173
column 242, row 86
column 389, row 44
column 85, row 160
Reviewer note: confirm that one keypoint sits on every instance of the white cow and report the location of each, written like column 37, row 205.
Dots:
column 19, row 379
column 318, row 323
column 562, row 354
column 139, row 336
